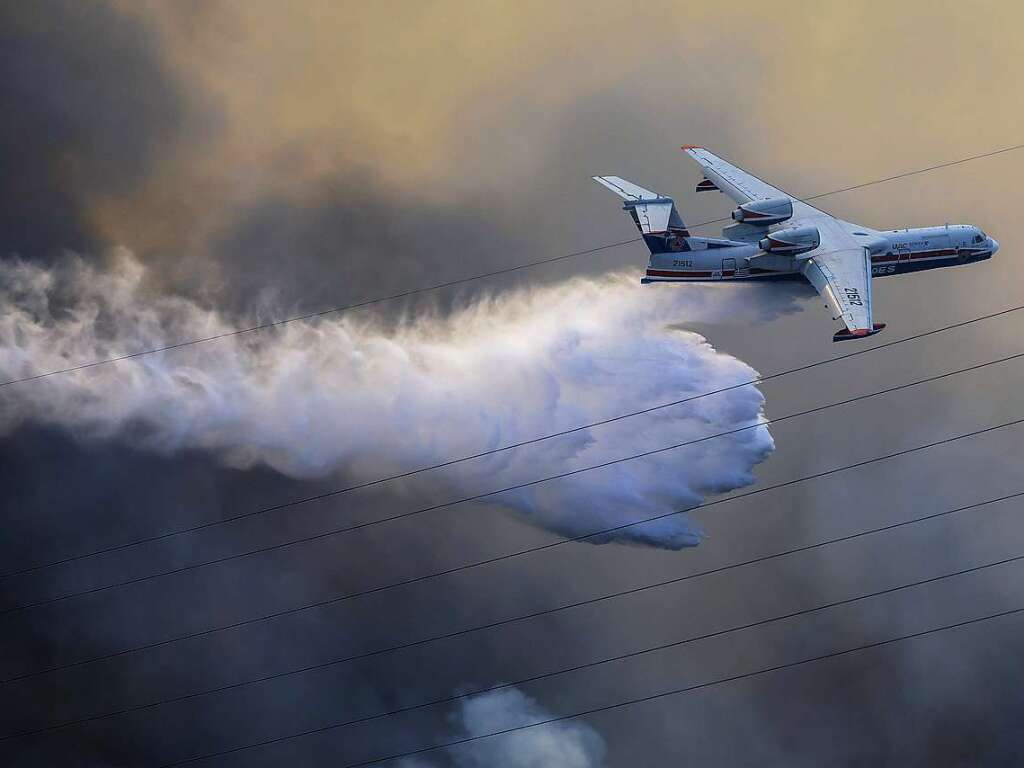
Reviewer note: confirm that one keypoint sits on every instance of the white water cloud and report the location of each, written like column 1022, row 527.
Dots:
column 342, row 395
column 567, row 744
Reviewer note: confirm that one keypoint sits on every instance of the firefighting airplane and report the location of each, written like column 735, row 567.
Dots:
column 776, row 235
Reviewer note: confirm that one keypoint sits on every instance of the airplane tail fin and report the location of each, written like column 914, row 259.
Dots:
column 655, row 215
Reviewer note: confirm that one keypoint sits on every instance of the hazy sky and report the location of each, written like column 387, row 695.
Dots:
column 175, row 169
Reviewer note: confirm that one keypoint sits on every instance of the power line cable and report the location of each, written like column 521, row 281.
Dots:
column 471, row 278
column 615, row 419
column 620, row 704
column 482, row 454
column 488, row 494
column 330, row 601
column 916, row 172
column 545, row 612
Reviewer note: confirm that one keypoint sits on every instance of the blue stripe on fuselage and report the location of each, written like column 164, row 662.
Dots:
column 887, row 268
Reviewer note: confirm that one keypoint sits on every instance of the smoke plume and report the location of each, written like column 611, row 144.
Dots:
column 344, row 395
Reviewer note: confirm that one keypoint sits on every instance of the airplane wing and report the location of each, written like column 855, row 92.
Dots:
column 735, row 182
column 840, row 268
column 738, row 184
column 843, row 278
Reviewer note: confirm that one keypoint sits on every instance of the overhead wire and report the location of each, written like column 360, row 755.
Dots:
column 337, row 599
column 536, row 614
column 481, row 454
column 471, row 278
column 631, row 701
column 545, row 437
column 477, row 497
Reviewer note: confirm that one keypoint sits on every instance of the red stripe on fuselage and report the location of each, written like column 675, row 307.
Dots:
column 896, row 258
column 672, row 273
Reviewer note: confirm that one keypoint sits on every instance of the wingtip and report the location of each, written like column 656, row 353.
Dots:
column 858, row 333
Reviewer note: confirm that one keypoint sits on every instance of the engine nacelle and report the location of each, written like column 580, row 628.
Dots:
column 764, row 212
column 791, row 241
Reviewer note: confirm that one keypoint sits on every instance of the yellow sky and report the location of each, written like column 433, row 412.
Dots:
column 443, row 99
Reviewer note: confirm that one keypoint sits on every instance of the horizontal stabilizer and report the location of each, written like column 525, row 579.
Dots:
column 627, row 190
column 653, row 214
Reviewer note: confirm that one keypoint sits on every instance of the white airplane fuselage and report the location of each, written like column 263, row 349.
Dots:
column 777, row 236
column 893, row 252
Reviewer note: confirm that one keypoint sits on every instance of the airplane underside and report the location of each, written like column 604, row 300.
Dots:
column 880, row 267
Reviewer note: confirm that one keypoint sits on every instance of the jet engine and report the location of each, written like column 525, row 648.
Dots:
column 791, row 241
column 764, row 212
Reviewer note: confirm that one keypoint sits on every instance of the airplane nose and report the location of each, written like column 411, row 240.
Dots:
column 993, row 245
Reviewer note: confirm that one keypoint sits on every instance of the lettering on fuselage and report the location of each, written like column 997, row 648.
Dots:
column 883, row 269
column 682, row 263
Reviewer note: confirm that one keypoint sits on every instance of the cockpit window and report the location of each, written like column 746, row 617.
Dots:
column 978, row 238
